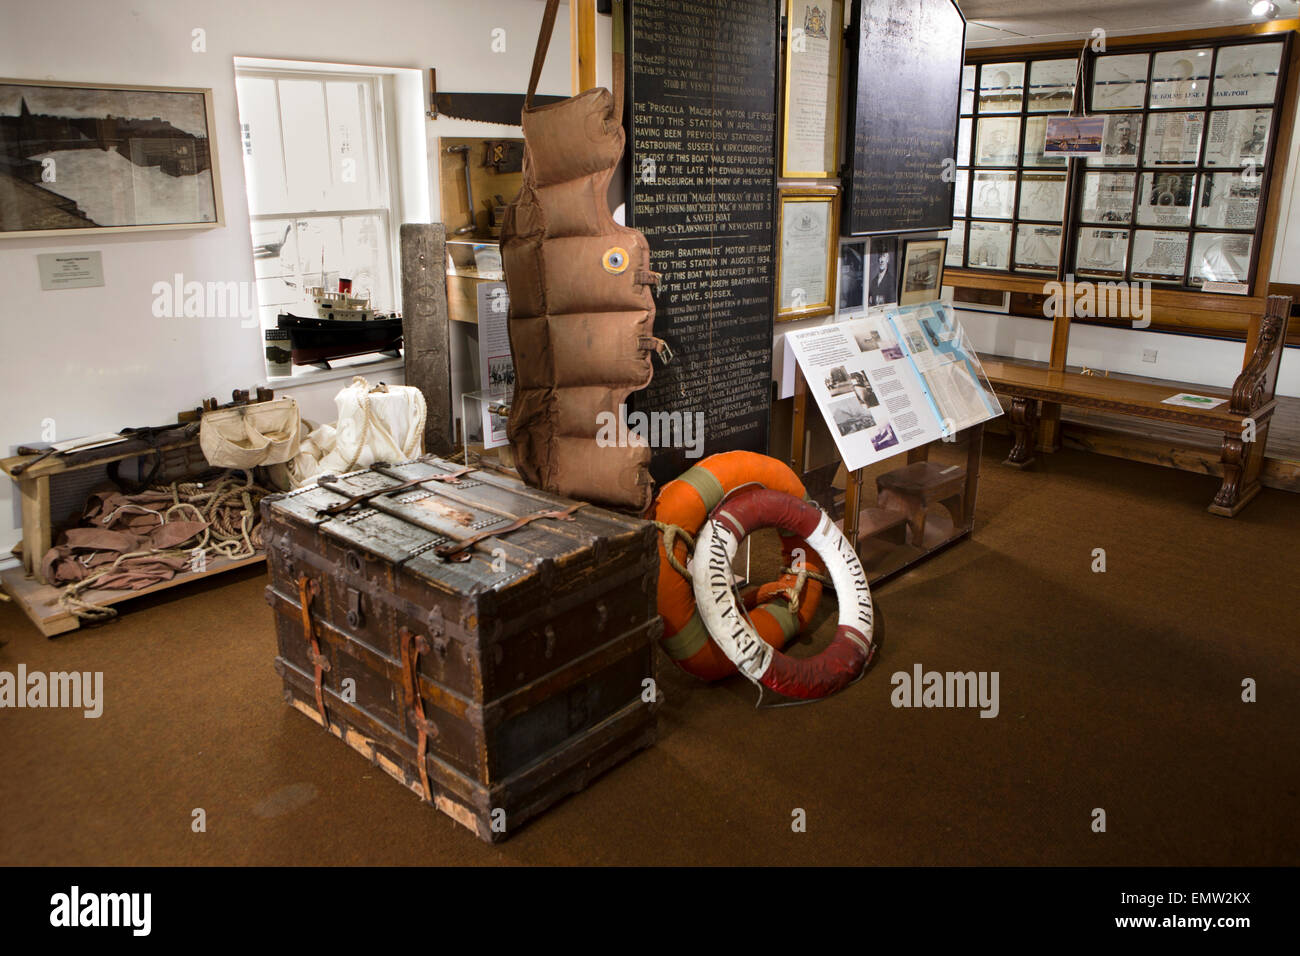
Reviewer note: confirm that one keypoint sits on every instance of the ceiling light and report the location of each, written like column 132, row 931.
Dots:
column 1265, row 9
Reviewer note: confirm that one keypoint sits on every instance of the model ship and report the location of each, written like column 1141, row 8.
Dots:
column 344, row 325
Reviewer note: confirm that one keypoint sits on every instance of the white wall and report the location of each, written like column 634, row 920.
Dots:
column 97, row 359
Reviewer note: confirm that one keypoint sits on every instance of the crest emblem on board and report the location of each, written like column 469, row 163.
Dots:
column 814, row 23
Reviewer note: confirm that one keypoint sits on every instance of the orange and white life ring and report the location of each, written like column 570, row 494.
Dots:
column 685, row 504
column 838, row 665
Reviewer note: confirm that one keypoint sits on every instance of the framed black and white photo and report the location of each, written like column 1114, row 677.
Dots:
column 882, row 272
column 851, row 298
column 923, row 262
column 93, row 158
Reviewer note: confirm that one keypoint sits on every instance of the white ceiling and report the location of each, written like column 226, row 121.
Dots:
column 997, row 22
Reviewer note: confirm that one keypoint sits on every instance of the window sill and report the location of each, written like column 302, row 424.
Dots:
column 342, row 369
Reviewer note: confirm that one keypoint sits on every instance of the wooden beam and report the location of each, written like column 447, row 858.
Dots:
column 582, row 44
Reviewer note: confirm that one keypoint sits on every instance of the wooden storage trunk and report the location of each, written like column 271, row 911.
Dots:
column 492, row 682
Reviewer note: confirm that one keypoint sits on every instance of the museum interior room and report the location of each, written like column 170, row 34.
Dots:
column 460, row 434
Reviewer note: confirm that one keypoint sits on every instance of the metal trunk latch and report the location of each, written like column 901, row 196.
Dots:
column 356, row 617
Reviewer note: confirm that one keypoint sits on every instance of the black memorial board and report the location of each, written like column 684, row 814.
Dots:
column 906, row 60
column 703, row 112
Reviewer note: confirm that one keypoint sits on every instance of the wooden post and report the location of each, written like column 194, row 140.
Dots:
column 582, row 44
column 426, row 333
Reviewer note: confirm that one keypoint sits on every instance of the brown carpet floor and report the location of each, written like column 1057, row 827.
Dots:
column 1119, row 691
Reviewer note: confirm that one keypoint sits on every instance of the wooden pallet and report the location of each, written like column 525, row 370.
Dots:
column 40, row 601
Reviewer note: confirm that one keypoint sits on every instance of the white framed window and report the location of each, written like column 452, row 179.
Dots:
column 323, row 191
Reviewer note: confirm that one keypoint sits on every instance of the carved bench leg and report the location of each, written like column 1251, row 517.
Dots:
column 1238, row 487
column 1024, row 429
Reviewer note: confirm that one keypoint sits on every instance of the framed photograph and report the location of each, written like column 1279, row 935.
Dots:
column 810, row 145
column 1072, row 136
column 1002, row 86
column 809, row 251
column 882, row 272
column 1051, row 85
column 1119, row 145
column 922, row 270
column 851, row 298
column 1165, row 199
column 1247, row 75
column 1238, row 138
column 1120, row 82
column 96, row 158
column 1180, row 79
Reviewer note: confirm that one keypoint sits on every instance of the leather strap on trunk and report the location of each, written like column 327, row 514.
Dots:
column 308, row 589
column 460, row 550
column 413, row 645
column 451, row 478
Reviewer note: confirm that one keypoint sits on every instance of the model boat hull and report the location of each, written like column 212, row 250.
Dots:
column 318, row 340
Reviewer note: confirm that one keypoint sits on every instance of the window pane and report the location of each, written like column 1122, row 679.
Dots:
column 263, row 159
column 355, row 174
column 306, row 145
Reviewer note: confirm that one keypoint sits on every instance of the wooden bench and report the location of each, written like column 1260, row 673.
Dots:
column 1247, row 408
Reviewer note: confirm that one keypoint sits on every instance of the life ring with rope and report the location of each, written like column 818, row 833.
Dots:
column 840, row 664
column 779, row 610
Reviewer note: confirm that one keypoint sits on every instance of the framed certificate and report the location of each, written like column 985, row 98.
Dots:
column 808, row 228
column 810, row 145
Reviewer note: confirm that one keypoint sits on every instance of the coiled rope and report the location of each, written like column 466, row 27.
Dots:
column 229, row 508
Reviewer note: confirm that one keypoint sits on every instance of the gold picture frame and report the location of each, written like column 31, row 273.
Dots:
column 87, row 158
column 816, row 34
column 807, row 251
